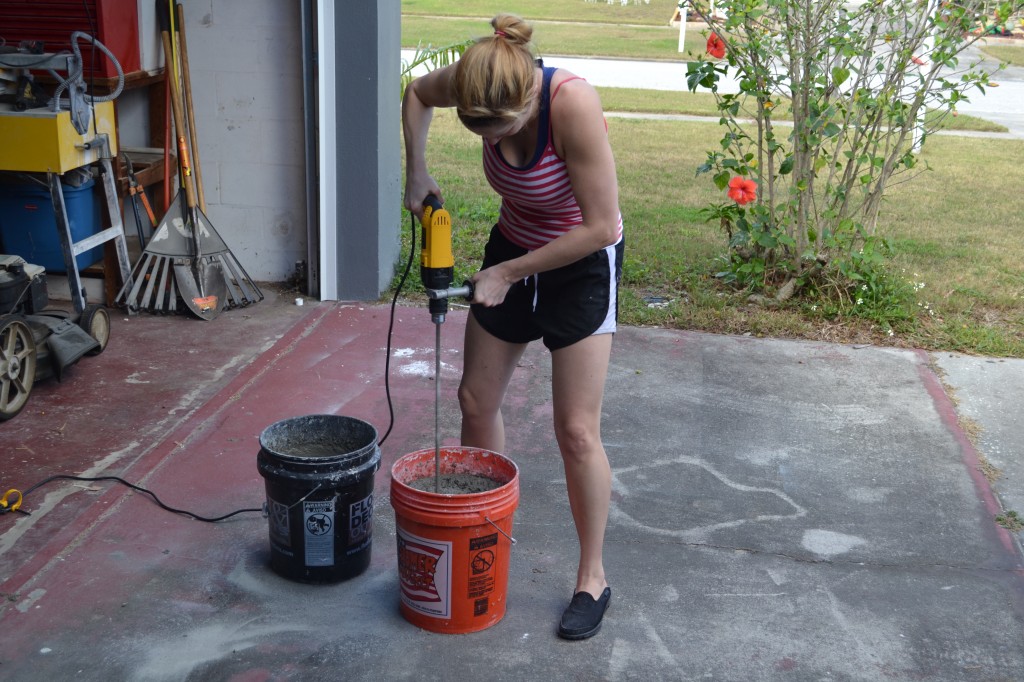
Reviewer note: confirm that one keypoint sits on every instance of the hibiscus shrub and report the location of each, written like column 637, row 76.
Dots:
column 856, row 81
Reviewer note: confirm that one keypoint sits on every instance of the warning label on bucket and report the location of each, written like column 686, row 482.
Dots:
column 481, row 563
column 318, row 519
column 425, row 573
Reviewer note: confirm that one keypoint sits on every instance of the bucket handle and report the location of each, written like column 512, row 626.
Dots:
column 511, row 539
column 266, row 506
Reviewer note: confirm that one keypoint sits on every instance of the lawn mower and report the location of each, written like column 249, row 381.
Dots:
column 37, row 342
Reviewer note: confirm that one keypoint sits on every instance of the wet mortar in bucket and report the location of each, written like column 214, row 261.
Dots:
column 455, row 484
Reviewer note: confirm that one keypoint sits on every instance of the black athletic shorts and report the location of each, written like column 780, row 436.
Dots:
column 560, row 306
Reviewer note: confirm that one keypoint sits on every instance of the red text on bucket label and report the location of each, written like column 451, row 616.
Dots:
column 481, row 569
column 318, row 520
column 425, row 574
column 360, row 523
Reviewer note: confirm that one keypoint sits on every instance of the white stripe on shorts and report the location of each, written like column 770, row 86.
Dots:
column 608, row 326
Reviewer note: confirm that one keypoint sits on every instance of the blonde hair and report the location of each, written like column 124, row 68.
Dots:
column 494, row 78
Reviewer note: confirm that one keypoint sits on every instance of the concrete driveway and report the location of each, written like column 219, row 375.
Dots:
column 782, row 510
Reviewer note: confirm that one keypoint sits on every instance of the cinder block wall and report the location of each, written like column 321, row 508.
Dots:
column 246, row 68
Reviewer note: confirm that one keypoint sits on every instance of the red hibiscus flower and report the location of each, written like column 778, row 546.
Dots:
column 742, row 190
column 716, row 48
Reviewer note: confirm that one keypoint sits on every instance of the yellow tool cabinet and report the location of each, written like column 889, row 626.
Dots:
column 45, row 141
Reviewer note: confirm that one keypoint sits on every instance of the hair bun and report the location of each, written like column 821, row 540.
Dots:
column 512, row 28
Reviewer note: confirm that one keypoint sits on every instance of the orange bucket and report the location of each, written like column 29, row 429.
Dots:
column 454, row 550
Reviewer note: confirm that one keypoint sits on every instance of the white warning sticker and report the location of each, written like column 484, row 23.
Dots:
column 318, row 519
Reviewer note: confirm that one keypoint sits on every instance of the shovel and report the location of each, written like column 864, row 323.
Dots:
column 185, row 256
column 199, row 275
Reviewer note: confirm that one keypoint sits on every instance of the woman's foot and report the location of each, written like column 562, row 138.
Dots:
column 582, row 618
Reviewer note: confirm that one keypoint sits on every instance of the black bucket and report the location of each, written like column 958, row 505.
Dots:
column 319, row 472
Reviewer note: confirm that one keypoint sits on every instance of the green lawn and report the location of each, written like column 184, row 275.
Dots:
column 606, row 40
column 617, row 41
column 632, row 100
column 654, row 13
column 956, row 229
column 1003, row 52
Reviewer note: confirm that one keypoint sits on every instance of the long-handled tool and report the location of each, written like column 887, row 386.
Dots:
column 185, row 256
column 200, row 279
column 177, row 245
column 437, row 269
column 186, row 80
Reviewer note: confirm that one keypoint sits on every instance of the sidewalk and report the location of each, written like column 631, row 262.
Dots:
column 781, row 510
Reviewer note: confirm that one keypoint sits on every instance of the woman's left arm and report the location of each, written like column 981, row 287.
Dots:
column 581, row 138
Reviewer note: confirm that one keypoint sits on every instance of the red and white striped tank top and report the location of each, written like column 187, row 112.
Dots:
column 537, row 202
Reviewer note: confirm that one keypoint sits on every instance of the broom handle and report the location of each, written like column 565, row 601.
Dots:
column 187, row 80
column 179, row 123
column 167, row 143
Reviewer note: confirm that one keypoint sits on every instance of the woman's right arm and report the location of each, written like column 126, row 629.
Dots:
column 421, row 97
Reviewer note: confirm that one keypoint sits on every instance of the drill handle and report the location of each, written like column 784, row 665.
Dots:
column 465, row 291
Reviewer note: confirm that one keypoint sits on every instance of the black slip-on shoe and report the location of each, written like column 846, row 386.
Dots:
column 582, row 618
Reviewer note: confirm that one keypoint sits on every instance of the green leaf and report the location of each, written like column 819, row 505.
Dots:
column 787, row 166
column 701, row 74
column 839, row 75
column 722, row 179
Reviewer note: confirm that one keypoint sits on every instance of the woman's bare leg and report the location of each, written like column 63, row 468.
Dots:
column 488, row 366
column 578, row 377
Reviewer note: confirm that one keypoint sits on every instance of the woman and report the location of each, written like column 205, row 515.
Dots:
column 551, row 266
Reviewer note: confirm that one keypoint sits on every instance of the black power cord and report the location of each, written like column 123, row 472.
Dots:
column 66, row 477
column 5, row 508
column 14, row 505
column 391, row 325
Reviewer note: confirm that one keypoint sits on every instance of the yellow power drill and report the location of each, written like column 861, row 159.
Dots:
column 437, row 263
column 437, row 268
